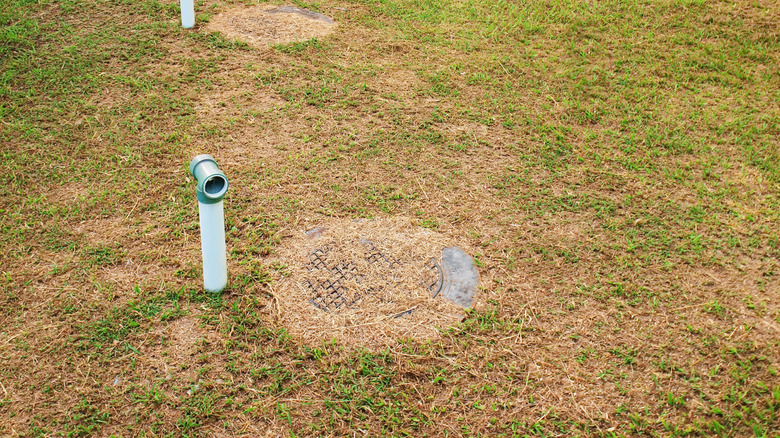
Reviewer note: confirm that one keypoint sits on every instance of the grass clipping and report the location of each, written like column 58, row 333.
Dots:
column 382, row 267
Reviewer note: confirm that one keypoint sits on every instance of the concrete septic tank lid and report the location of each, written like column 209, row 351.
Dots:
column 263, row 25
column 373, row 282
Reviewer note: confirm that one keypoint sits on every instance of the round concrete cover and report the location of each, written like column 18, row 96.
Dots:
column 372, row 281
column 264, row 25
column 451, row 276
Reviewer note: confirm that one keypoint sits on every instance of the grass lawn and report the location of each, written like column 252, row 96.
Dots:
column 616, row 163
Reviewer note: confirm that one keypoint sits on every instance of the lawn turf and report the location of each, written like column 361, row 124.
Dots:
column 616, row 162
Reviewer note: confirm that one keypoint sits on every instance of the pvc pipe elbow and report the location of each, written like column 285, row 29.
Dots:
column 212, row 183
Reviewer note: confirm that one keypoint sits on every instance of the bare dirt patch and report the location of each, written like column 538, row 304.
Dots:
column 401, row 83
column 261, row 26
column 101, row 230
column 243, row 105
column 175, row 354
column 66, row 193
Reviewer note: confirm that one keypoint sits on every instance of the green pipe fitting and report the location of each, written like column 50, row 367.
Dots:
column 212, row 183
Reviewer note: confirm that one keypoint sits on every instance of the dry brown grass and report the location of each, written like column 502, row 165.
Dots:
column 387, row 290
column 264, row 25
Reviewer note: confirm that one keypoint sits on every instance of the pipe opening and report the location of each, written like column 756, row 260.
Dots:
column 215, row 186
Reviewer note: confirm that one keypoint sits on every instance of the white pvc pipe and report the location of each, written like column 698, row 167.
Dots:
column 212, row 238
column 187, row 13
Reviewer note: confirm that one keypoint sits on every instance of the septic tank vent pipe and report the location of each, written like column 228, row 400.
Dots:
column 187, row 13
column 212, row 185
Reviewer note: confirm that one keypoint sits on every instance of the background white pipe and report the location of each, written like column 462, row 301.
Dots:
column 212, row 242
column 187, row 13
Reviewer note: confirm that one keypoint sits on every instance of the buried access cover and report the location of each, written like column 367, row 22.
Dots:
column 371, row 279
column 455, row 277
column 264, row 25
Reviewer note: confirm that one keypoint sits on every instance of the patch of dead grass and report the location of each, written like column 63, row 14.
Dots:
column 265, row 25
column 383, row 290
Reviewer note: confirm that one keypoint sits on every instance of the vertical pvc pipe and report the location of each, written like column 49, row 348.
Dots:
column 211, row 188
column 187, row 13
column 212, row 242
